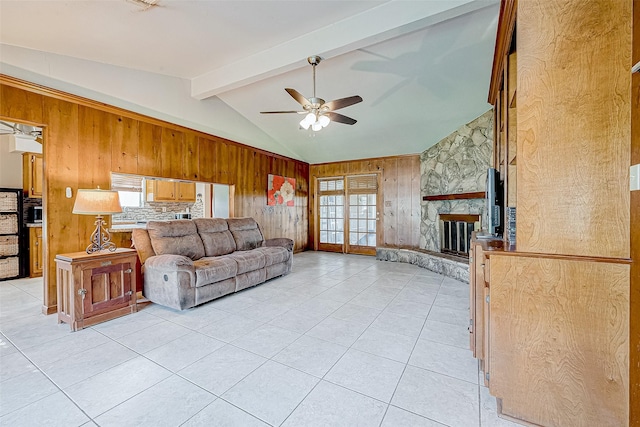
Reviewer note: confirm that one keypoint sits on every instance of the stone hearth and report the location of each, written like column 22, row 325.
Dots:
column 448, row 265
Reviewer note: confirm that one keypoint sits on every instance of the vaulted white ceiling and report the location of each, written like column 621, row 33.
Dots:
column 421, row 66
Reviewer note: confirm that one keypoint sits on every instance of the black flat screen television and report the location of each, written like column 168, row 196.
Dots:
column 494, row 197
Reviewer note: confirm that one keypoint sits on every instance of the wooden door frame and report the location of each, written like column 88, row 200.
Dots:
column 364, row 250
column 368, row 250
column 329, row 247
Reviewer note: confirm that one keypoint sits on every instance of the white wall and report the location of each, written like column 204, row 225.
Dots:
column 10, row 165
column 205, row 191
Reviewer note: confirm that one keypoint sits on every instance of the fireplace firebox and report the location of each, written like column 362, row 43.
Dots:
column 455, row 232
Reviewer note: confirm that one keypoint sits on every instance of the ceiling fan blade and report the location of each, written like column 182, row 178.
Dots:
column 282, row 112
column 337, row 104
column 339, row 118
column 298, row 96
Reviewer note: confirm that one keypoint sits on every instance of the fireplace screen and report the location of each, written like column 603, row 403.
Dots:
column 455, row 232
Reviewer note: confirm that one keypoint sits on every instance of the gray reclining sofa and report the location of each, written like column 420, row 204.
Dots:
column 189, row 262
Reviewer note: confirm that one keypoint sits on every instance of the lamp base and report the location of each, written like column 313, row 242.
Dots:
column 100, row 238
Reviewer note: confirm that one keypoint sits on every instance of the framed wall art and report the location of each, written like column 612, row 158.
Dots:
column 280, row 190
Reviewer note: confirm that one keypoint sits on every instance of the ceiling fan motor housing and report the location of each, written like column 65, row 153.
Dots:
column 314, row 60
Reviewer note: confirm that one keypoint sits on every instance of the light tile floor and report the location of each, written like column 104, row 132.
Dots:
column 343, row 340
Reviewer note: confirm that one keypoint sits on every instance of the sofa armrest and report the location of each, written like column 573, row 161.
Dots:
column 170, row 280
column 281, row 241
column 169, row 263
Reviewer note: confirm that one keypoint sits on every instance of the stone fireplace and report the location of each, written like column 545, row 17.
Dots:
column 453, row 177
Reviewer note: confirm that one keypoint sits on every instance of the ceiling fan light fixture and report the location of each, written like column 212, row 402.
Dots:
column 304, row 124
column 316, row 126
column 324, row 120
column 308, row 120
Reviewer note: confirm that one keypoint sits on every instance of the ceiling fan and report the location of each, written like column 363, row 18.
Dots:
column 318, row 112
column 25, row 131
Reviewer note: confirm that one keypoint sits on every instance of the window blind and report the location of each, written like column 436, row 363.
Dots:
column 126, row 183
column 362, row 184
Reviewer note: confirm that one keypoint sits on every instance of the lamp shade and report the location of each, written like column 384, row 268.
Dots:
column 97, row 202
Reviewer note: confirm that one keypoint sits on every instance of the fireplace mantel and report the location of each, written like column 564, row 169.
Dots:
column 455, row 196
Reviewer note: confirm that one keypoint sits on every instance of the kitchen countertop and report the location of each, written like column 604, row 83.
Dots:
column 120, row 227
column 34, row 224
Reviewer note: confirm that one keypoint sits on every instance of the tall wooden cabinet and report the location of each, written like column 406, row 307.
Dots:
column 32, row 175
column 36, row 249
column 634, row 335
column 557, row 321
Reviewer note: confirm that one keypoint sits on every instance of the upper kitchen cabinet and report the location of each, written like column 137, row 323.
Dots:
column 32, row 174
column 186, row 191
column 171, row 191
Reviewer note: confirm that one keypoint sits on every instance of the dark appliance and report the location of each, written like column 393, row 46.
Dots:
column 35, row 214
column 12, row 251
column 183, row 215
column 494, row 196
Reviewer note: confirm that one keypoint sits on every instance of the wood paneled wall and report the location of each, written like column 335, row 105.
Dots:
column 86, row 140
column 400, row 190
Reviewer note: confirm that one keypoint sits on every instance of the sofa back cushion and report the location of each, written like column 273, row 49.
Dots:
column 215, row 235
column 179, row 237
column 246, row 233
column 142, row 243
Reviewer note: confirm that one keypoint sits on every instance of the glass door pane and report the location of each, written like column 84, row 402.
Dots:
column 331, row 215
column 363, row 213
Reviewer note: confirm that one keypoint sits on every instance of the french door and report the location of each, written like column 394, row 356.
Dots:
column 347, row 214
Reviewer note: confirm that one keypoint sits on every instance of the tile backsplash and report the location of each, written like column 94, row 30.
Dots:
column 154, row 211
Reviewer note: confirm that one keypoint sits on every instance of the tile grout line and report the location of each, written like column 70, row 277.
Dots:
column 48, row 378
column 322, row 378
column 407, row 364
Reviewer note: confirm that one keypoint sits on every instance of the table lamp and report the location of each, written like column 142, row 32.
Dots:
column 98, row 202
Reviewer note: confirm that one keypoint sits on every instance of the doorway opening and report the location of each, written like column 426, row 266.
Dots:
column 348, row 214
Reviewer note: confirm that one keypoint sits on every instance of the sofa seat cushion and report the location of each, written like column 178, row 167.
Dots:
column 216, row 237
column 248, row 260
column 274, row 255
column 212, row 270
column 246, row 233
column 179, row 237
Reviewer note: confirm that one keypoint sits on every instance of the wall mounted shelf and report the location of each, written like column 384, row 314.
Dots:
column 455, row 196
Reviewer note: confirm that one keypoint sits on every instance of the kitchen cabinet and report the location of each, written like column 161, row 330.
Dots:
column 171, row 191
column 32, row 175
column 94, row 288
column 164, row 191
column 185, row 191
column 35, row 252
